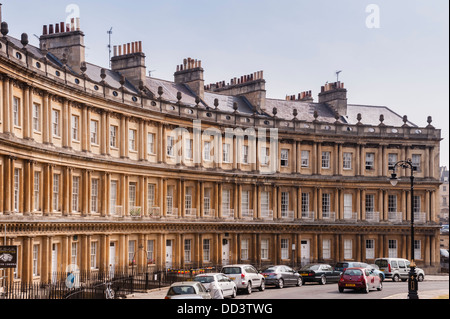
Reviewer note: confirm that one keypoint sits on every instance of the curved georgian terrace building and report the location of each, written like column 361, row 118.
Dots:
column 103, row 167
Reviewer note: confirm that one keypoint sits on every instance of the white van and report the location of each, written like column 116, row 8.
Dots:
column 397, row 268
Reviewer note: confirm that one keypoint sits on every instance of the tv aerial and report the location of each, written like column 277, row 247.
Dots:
column 337, row 75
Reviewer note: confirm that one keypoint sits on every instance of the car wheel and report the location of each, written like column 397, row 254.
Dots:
column 249, row 288
column 366, row 290
column 323, row 280
column 280, row 283
column 396, row 278
column 234, row 293
column 299, row 282
column 263, row 286
column 381, row 277
column 341, row 289
column 380, row 287
column 420, row 277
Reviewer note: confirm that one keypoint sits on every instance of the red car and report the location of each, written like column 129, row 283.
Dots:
column 359, row 279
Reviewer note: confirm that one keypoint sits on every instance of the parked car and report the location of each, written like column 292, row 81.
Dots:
column 321, row 273
column 343, row 265
column 359, row 279
column 187, row 290
column 398, row 268
column 281, row 275
column 245, row 276
column 226, row 285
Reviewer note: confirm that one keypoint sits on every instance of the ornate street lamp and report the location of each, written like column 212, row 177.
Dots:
column 412, row 277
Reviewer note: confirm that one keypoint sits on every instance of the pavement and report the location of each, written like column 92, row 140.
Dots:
column 160, row 293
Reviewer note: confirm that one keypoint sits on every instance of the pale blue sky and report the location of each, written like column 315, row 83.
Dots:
column 403, row 64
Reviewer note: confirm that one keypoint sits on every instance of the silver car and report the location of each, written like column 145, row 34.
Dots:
column 226, row 285
column 245, row 276
column 187, row 290
column 397, row 268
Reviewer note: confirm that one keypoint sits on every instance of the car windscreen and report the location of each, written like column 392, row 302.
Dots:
column 310, row 267
column 181, row 290
column 382, row 263
column 353, row 272
column 342, row 265
column 204, row 279
column 231, row 270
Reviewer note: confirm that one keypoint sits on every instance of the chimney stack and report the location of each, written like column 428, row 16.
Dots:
column 60, row 40
column 191, row 74
column 335, row 96
column 129, row 60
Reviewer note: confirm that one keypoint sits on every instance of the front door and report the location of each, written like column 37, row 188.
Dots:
column 112, row 257
column 169, row 250
column 304, row 251
column 225, row 252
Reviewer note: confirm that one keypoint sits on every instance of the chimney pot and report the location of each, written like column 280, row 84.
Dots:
column 56, row 28
column 44, row 30
column 50, row 29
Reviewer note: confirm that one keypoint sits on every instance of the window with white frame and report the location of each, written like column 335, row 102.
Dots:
column 370, row 249
column 244, row 154
column 187, row 250
column 392, row 203
column 370, row 161
column 284, row 158
column 370, row 203
column 264, row 249
column 326, row 249
column 151, row 195
column 94, row 255
column 207, row 151
column 94, row 132
column 347, row 160
column 113, row 136
column 16, row 111
column 417, row 204
column 305, row 203
column 226, row 153
column 113, row 197
column 244, row 249
column 415, row 160
column 207, row 201
column 264, row 156
column 131, row 252
column 169, row 199
column 417, row 249
column 284, row 248
column 16, row 189
column 226, row 199
column 206, row 250
column 325, row 159
column 55, row 192
column 150, row 251
column 170, row 144
column 55, row 123
column 132, row 140
column 36, row 117
column 188, row 149
column 36, row 190
column 348, row 205
column 35, row 260
column 326, row 205
column 94, row 195
column 75, row 193
column 284, row 204
column 74, row 253
column 131, row 195
column 264, row 202
column 392, row 248
column 150, row 143
column 305, row 158
column 392, row 160
column 75, row 123
column 245, row 201
column 348, row 249
column 188, row 199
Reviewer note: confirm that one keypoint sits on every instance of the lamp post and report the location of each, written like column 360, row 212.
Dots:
column 412, row 277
